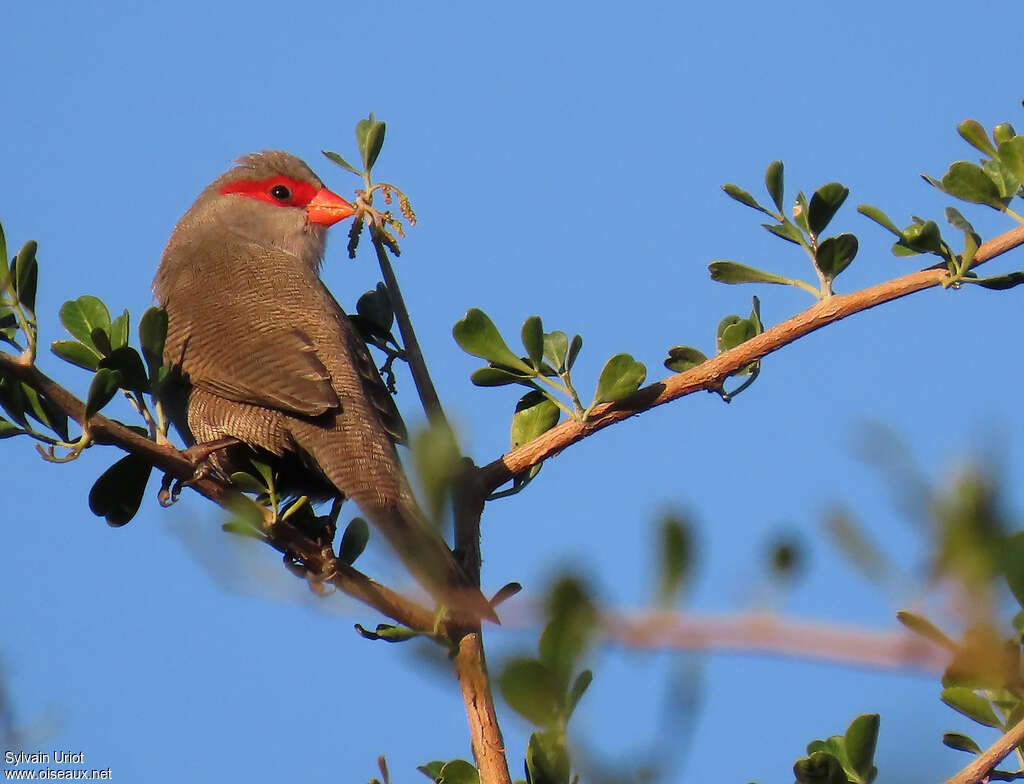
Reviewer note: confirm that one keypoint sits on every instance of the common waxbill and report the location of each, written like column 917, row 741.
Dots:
column 263, row 353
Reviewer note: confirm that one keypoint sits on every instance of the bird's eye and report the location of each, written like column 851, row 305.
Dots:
column 281, row 192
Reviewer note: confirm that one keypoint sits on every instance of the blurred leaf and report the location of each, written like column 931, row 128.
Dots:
column 960, row 742
column 579, row 687
column 152, row 335
column 127, row 361
column 547, row 758
column 532, row 690
column 835, row 254
column 572, row 621
column 879, row 217
column 341, row 162
column 80, row 354
column 965, row 701
column 675, row 549
column 773, row 180
column 1011, row 557
column 825, row 202
column 118, row 493
column 922, row 626
column 244, row 511
column 535, row 414
column 620, row 377
column 477, row 335
column 533, row 340
column 683, row 358
column 26, row 275
column 743, row 197
column 974, row 134
column 247, row 483
column 496, row 377
column 353, row 541
column 438, row 459
column 1011, row 155
column 81, row 316
column 732, row 272
column 103, row 387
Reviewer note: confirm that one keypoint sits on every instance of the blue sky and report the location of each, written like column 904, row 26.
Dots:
column 565, row 160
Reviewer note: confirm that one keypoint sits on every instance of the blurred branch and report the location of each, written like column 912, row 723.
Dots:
column 711, row 374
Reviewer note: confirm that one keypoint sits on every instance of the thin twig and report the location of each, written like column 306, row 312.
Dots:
column 986, row 762
column 488, row 743
column 712, row 373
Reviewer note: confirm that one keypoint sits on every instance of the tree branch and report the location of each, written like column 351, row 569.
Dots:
column 488, row 743
column 712, row 373
column 986, row 762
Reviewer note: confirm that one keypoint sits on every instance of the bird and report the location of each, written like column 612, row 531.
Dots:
column 261, row 352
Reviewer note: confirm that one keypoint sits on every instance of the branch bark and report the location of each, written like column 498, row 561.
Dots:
column 986, row 762
column 712, row 373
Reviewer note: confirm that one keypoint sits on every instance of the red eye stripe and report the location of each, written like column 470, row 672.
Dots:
column 299, row 194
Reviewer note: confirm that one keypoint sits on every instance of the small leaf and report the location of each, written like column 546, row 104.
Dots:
column 960, row 742
column 374, row 143
column 458, row 772
column 999, row 282
column 477, row 335
column 835, row 254
column 579, row 686
column 535, row 414
column 574, row 350
column 819, row 768
column 119, row 329
column 1005, row 182
column 1003, row 132
column 922, row 237
column 1011, row 562
column 127, row 361
column 1011, row 155
column 732, row 272
column 556, row 349
column 496, row 377
column 922, row 626
column 437, row 459
column 675, row 552
column 620, row 377
column 572, row 621
column 375, row 307
column 531, row 690
column 76, row 353
column 247, row 483
column 26, row 275
column 800, row 209
column 547, row 758
column 974, row 134
column 103, row 387
column 743, row 197
column 81, row 316
column 879, row 217
column 118, row 493
column 860, row 740
column 965, row 701
column 533, row 340
column 732, row 331
column 152, row 336
column 773, row 180
column 786, row 231
column 333, row 156
column 354, row 540
column 970, row 183
column 683, row 358
column 825, row 202
column 431, row 770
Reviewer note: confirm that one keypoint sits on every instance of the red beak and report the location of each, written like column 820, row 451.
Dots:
column 327, row 208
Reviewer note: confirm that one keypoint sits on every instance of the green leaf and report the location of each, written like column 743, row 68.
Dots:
column 438, row 460
column 532, row 691
column 1006, row 183
column 431, row 770
column 247, row 483
column 743, row 197
column 12, row 398
column 969, row 182
column 879, row 217
column 535, row 414
column 1003, row 132
column 83, row 315
column 922, row 626
column 4, row 269
column 1011, row 155
column 547, row 758
column 375, row 307
column 732, row 331
column 579, row 686
column 800, row 209
column 556, row 349
column 675, row 552
column 620, row 377
column 923, row 237
column 572, row 621
column 860, row 740
column 44, row 411
column 370, row 139
column 574, row 350
column 733, row 272
column 76, row 353
column 835, row 254
column 333, row 156
column 458, row 772
column 119, row 330
column 999, row 282
column 497, row 377
column 118, row 493
column 824, row 203
column 1011, row 562
column 960, row 742
column 786, row 231
column 8, row 429
column 683, row 358
column 477, row 335
column 965, row 701
column 353, row 541
column 103, row 387
column 819, row 768
column 974, row 134
column 773, row 180
column 127, row 361
column 533, row 340
column 26, row 275
column 152, row 336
